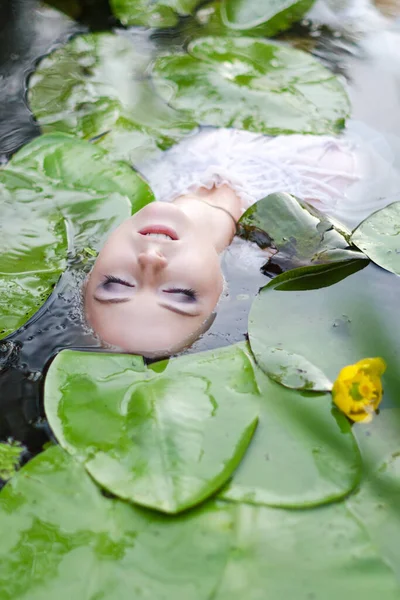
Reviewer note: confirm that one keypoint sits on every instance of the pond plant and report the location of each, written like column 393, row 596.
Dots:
column 232, row 473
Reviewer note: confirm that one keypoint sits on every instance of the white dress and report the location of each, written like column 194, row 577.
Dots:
column 348, row 177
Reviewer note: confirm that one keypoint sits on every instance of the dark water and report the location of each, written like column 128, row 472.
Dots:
column 29, row 30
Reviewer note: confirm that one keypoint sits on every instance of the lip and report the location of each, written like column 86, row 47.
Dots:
column 171, row 233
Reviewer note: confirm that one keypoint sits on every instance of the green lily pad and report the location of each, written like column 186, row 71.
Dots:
column 252, row 84
column 331, row 315
column 302, row 454
column 59, row 158
column 152, row 13
column 10, row 454
column 379, row 237
column 300, row 233
column 166, row 437
column 304, row 554
column 58, row 195
column 96, row 86
column 376, row 505
column 33, row 253
column 62, row 537
column 208, row 21
column 276, row 15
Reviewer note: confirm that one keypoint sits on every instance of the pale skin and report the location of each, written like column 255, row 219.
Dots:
column 158, row 278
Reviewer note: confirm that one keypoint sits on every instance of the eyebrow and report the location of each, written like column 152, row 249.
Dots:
column 169, row 307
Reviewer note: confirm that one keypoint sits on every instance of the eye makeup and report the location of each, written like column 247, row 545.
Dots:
column 110, row 279
column 187, row 294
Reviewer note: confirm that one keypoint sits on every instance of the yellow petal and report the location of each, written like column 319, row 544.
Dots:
column 348, row 372
column 357, row 390
column 374, row 366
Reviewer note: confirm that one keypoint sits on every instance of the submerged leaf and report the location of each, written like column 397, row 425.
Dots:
column 166, row 437
column 252, row 84
column 61, row 537
column 96, row 87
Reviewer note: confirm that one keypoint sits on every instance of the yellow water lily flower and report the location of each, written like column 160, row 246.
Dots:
column 358, row 389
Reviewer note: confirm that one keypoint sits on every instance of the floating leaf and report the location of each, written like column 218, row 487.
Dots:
column 305, row 554
column 152, row 13
column 56, row 183
column 33, row 253
column 69, row 163
column 275, row 15
column 379, row 237
column 254, row 85
column 303, row 453
column 96, row 86
column 292, row 370
column 166, row 437
column 300, row 233
column 331, row 315
column 62, row 537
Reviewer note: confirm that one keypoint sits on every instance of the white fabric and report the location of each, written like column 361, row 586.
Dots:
column 355, row 17
column 347, row 177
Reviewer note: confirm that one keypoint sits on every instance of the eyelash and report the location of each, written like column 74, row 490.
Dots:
column 189, row 292
column 112, row 279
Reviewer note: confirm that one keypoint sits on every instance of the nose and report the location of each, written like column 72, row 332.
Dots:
column 152, row 260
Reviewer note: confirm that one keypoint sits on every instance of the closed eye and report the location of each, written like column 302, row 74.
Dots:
column 110, row 279
column 113, row 289
column 182, row 294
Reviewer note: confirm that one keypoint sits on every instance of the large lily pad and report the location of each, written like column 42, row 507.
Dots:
column 33, row 253
column 96, row 86
column 254, row 85
column 309, row 554
column 166, row 437
column 302, row 454
column 379, row 237
column 152, row 13
column 377, row 504
column 300, row 234
column 62, row 538
column 56, row 184
column 134, row 428
column 338, row 315
column 275, row 15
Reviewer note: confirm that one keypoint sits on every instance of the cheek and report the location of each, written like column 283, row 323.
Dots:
column 116, row 252
column 208, row 276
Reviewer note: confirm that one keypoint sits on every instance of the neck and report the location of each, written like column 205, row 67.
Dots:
column 216, row 211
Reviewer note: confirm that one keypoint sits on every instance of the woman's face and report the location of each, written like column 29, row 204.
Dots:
column 154, row 283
